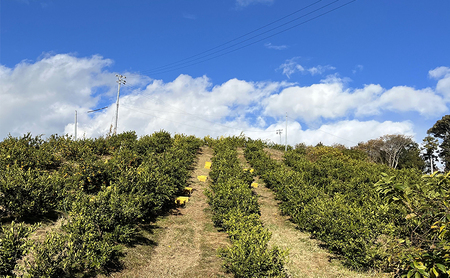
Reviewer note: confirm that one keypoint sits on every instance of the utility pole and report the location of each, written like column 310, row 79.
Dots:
column 431, row 163
column 120, row 80
column 76, row 122
column 285, row 136
column 279, row 131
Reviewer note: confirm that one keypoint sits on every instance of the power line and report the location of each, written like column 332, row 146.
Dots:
column 235, row 39
column 95, row 110
column 199, row 60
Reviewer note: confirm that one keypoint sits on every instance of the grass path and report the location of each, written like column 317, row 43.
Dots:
column 185, row 241
column 306, row 257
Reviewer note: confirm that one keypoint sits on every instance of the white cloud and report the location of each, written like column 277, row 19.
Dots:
column 276, row 47
column 320, row 69
column 291, row 66
column 349, row 133
column 332, row 100
column 403, row 99
column 245, row 3
column 40, row 97
column 357, row 68
column 327, row 100
column 443, row 75
column 439, row 72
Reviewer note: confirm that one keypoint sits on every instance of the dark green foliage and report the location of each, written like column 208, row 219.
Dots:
column 27, row 152
column 80, row 250
column 332, row 196
column 158, row 142
column 104, row 186
column 441, row 130
column 14, row 244
column 25, row 193
column 425, row 250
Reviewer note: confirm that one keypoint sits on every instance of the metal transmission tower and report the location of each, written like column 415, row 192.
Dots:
column 120, row 80
column 279, row 131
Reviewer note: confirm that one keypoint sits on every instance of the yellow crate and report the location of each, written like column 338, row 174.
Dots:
column 181, row 200
column 202, row 178
column 255, row 185
column 188, row 190
column 207, row 165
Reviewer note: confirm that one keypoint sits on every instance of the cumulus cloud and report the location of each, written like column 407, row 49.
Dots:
column 291, row 66
column 36, row 96
column 347, row 132
column 41, row 96
column 332, row 100
column 443, row 75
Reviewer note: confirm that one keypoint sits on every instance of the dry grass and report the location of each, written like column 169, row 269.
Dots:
column 185, row 242
column 275, row 154
column 306, row 258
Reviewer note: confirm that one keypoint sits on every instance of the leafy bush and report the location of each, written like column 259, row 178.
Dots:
column 28, row 153
column 26, row 193
column 332, row 196
column 79, row 249
column 14, row 244
column 104, row 186
column 235, row 209
column 425, row 250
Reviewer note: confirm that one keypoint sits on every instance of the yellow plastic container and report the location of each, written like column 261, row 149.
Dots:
column 181, row 200
column 188, row 190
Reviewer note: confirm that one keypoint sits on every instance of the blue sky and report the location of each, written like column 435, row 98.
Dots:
column 355, row 73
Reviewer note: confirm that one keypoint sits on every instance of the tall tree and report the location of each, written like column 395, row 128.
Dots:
column 396, row 151
column 429, row 148
column 441, row 130
column 393, row 147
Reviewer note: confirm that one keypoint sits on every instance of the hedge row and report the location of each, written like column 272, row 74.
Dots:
column 102, row 187
column 236, row 210
column 333, row 196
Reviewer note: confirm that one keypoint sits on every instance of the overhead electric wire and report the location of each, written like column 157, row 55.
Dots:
column 237, row 38
column 90, row 111
column 249, row 44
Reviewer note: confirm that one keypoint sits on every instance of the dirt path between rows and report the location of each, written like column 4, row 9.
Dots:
column 186, row 240
column 306, row 258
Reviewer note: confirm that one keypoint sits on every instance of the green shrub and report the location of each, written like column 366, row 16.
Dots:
column 235, row 209
column 73, row 253
column 28, row 153
column 25, row 193
column 14, row 244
